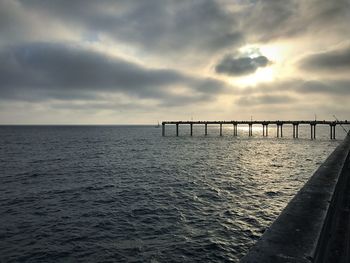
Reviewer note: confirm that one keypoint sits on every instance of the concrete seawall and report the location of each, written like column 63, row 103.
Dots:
column 312, row 224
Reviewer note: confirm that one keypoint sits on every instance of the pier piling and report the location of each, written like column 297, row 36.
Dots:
column 293, row 130
column 297, row 131
column 313, row 131
column 281, row 129
column 263, row 130
column 234, row 129
column 266, row 130
column 332, row 131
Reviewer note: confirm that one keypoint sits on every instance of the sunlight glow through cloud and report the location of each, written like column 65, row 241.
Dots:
column 261, row 75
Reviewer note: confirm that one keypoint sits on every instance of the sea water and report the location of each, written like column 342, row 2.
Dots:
column 127, row 194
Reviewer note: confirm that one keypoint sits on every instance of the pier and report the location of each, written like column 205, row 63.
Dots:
column 314, row 226
column 265, row 125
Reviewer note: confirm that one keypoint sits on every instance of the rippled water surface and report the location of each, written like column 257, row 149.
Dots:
column 126, row 194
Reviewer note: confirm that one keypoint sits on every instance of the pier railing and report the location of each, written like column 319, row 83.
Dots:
column 265, row 124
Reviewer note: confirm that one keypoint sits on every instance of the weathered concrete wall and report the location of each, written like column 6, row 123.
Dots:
column 295, row 234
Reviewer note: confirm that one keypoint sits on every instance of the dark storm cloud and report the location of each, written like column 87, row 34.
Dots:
column 40, row 71
column 265, row 100
column 237, row 66
column 333, row 60
column 158, row 25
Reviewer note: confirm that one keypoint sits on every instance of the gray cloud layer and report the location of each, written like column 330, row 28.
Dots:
column 171, row 25
column 265, row 100
column 237, row 66
column 266, row 20
column 339, row 87
column 294, row 92
column 40, row 71
column 156, row 25
column 331, row 61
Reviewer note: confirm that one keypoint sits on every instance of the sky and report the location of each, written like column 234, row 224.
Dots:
column 140, row 62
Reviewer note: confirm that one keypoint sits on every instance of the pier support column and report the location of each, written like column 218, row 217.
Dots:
column 191, row 129
column 250, row 128
column 267, row 130
column 206, row 129
column 333, row 132
column 163, row 129
column 220, row 129
column 293, row 130
column 281, row 130
column 177, row 129
column 314, row 131
column 263, row 130
column 297, row 131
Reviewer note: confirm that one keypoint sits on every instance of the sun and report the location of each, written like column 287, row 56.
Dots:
column 262, row 74
column 272, row 52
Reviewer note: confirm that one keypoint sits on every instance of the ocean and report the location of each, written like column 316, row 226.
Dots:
column 127, row 194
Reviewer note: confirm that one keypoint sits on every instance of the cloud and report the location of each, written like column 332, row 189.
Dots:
column 22, row 23
column 265, row 100
column 337, row 87
column 155, row 25
column 267, row 20
column 41, row 71
column 333, row 60
column 295, row 92
column 171, row 26
column 238, row 66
